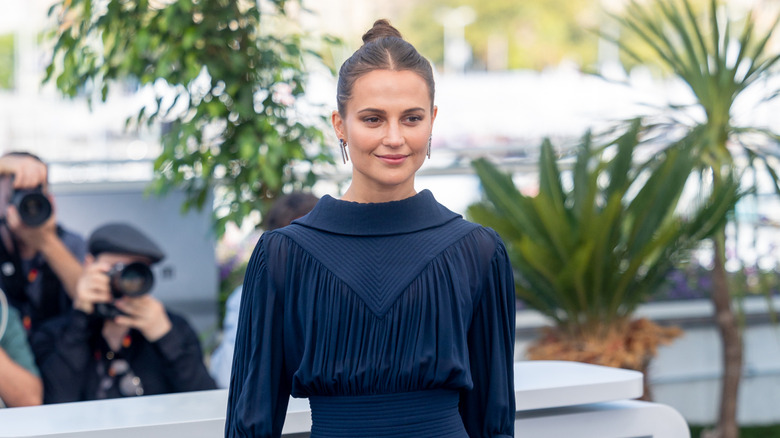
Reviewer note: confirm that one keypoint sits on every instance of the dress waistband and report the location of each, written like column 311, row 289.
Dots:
column 432, row 413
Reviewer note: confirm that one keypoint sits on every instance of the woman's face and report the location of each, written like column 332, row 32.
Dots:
column 387, row 125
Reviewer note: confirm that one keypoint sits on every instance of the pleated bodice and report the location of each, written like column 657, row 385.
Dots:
column 373, row 300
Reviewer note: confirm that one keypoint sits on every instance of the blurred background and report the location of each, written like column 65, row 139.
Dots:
column 509, row 74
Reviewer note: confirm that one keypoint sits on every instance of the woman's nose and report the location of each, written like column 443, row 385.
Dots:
column 393, row 135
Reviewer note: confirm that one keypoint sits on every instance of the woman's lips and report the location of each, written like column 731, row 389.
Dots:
column 393, row 158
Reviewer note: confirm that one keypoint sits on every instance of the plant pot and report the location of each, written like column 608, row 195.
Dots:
column 629, row 344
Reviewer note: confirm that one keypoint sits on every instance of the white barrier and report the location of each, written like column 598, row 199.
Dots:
column 554, row 399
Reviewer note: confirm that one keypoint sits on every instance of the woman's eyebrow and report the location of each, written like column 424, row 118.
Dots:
column 380, row 111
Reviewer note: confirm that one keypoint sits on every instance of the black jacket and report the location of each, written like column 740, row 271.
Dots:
column 70, row 352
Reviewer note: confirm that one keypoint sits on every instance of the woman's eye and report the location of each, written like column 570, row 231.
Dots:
column 371, row 119
column 414, row 119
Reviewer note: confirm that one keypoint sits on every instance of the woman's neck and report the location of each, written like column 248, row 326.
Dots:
column 365, row 196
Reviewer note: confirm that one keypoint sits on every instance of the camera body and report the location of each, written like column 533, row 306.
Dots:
column 131, row 280
column 33, row 206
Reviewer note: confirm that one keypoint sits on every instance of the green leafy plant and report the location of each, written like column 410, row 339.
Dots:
column 587, row 255
column 597, row 240
column 722, row 60
column 226, row 82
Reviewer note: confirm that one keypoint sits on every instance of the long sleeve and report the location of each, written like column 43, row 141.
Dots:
column 488, row 410
column 183, row 358
column 259, row 386
column 62, row 350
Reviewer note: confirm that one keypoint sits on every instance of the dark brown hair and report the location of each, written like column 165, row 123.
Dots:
column 383, row 49
column 288, row 208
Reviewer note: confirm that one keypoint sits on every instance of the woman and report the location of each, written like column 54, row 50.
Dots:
column 392, row 314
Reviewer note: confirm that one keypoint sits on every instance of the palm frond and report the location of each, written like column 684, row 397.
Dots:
column 590, row 268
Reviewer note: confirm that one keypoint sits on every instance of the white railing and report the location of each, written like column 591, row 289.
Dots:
column 554, row 399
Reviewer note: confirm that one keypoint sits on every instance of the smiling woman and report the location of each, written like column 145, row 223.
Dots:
column 393, row 315
column 387, row 126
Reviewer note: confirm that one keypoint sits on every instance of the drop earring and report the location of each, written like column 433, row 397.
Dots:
column 429, row 148
column 344, row 155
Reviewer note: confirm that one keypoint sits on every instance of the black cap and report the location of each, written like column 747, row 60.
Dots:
column 123, row 239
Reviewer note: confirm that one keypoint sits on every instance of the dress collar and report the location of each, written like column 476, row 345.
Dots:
column 415, row 213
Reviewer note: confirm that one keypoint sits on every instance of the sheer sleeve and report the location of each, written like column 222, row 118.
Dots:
column 259, row 386
column 488, row 410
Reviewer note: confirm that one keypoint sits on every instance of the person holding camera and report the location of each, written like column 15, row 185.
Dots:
column 40, row 261
column 119, row 341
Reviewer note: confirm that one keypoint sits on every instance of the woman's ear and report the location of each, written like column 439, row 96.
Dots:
column 338, row 125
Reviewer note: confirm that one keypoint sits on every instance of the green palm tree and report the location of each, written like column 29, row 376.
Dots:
column 720, row 59
column 596, row 241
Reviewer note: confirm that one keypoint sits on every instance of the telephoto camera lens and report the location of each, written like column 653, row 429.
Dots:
column 33, row 206
column 131, row 280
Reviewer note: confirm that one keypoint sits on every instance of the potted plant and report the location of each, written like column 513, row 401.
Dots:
column 597, row 240
column 722, row 58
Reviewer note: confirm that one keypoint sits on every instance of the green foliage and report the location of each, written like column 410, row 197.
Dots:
column 225, row 82
column 719, row 59
column 537, row 34
column 597, row 240
column 640, row 49
column 6, row 61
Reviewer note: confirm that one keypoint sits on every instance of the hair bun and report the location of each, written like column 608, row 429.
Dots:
column 381, row 29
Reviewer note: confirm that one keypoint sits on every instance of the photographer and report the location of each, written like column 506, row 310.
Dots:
column 40, row 262
column 119, row 340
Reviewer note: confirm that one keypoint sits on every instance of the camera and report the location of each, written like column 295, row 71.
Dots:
column 33, row 206
column 131, row 280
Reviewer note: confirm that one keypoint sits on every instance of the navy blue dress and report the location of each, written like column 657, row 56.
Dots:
column 395, row 320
